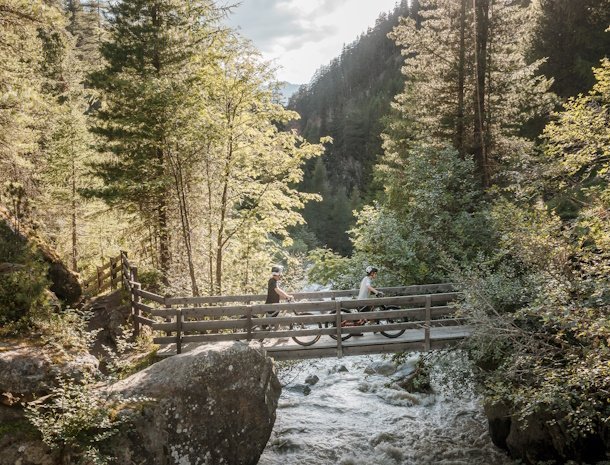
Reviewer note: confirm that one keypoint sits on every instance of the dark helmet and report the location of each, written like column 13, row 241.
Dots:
column 277, row 270
column 370, row 269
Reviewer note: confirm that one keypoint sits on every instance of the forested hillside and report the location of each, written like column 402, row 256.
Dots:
column 350, row 100
column 347, row 100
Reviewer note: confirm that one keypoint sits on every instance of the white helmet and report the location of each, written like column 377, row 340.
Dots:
column 370, row 269
column 277, row 270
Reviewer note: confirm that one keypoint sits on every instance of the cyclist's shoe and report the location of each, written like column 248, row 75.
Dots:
column 357, row 334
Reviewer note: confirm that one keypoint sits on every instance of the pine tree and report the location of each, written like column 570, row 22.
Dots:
column 150, row 58
column 23, row 105
column 468, row 81
column 571, row 36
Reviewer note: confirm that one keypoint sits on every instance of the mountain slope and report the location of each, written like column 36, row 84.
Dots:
column 347, row 100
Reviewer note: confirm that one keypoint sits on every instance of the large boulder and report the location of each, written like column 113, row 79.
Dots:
column 109, row 315
column 213, row 405
column 64, row 282
column 28, row 372
column 542, row 437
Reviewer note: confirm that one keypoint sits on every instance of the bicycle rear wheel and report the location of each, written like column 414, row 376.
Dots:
column 393, row 333
column 333, row 324
column 306, row 340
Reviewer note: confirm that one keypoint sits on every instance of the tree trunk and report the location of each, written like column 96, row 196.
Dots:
column 185, row 222
column 481, row 31
column 459, row 129
column 74, row 233
column 162, row 217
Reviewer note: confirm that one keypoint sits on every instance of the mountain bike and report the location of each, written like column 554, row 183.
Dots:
column 392, row 333
column 305, row 340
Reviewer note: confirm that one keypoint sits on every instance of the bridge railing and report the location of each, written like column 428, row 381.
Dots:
column 241, row 317
column 244, row 322
column 106, row 277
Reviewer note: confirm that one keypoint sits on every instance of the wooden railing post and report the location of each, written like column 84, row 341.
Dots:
column 114, row 271
column 249, row 318
column 124, row 268
column 427, row 323
column 338, row 324
column 168, row 307
column 99, row 279
column 178, row 330
column 135, row 300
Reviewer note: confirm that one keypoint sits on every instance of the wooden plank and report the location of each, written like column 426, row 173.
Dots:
column 143, row 307
column 399, row 300
column 104, row 267
column 178, row 331
column 427, row 323
column 148, row 295
column 167, row 327
column 399, row 314
column 301, row 353
column 164, row 340
column 144, row 321
column 221, row 337
column 199, row 312
column 316, row 295
column 184, row 301
column 209, row 325
column 298, row 307
column 165, row 312
column 338, row 338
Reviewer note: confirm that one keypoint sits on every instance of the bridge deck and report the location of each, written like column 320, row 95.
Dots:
column 411, row 341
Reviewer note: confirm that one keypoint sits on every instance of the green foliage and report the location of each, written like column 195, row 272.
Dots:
column 570, row 35
column 541, row 310
column 328, row 267
column 23, row 285
column 76, row 422
column 22, row 293
column 433, row 213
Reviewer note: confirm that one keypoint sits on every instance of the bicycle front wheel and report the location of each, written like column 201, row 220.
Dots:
column 333, row 324
column 306, row 340
column 392, row 333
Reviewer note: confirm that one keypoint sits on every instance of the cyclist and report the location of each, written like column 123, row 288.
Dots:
column 366, row 288
column 366, row 285
column 274, row 293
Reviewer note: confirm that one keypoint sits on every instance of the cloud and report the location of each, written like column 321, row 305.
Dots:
column 286, row 24
column 301, row 35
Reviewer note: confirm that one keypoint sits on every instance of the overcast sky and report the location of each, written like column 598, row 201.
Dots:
column 302, row 35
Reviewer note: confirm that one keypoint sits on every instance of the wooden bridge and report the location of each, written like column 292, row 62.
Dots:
column 325, row 324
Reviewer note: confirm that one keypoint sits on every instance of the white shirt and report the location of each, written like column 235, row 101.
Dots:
column 365, row 293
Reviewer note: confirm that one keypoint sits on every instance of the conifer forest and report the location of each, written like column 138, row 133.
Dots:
column 454, row 141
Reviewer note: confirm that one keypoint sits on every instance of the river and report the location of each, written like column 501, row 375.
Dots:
column 352, row 417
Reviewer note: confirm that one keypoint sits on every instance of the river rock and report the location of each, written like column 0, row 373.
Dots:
column 27, row 372
column 300, row 389
column 338, row 369
column 213, row 405
column 380, row 368
column 542, row 437
column 312, row 380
